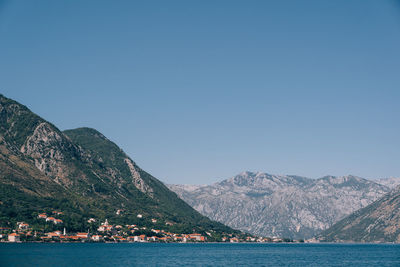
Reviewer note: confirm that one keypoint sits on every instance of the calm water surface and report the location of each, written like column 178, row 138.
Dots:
column 152, row 254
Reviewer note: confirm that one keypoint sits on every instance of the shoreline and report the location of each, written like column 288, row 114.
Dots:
column 197, row 243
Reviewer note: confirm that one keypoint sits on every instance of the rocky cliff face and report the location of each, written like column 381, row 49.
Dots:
column 50, row 150
column 137, row 179
column 284, row 206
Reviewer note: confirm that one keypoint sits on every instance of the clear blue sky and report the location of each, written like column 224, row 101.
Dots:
column 198, row 91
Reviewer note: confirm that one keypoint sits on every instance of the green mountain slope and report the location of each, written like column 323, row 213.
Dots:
column 82, row 173
column 110, row 162
column 378, row 222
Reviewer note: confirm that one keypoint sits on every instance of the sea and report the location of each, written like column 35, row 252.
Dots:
column 196, row 254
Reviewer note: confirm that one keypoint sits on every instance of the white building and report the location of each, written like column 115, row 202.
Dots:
column 97, row 238
column 14, row 237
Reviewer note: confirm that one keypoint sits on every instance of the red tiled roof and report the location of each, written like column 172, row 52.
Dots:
column 82, row 235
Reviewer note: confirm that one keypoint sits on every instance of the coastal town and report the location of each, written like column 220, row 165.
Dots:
column 112, row 233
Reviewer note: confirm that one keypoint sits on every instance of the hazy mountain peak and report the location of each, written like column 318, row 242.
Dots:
column 391, row 182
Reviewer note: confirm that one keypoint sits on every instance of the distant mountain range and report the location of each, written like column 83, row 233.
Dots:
column 378, row 222
column 83, row 174
column 283, row 206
